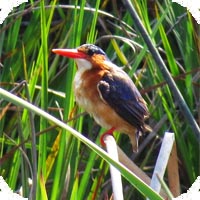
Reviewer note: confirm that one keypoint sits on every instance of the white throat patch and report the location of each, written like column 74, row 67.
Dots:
column 83, row 64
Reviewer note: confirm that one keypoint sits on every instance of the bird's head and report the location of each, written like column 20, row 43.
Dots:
column 87, row 55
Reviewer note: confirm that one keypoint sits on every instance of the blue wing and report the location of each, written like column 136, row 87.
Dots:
column 118, row 91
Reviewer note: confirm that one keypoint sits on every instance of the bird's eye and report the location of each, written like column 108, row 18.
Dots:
column 91, row 49
column 90, row 52
column 95, row 50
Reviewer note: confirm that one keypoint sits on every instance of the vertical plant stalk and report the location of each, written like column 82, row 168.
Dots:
column 173, row 173
column 32, row 195
column 179, row 98
column 162, row 160
column 44, row 99
column 116, row 179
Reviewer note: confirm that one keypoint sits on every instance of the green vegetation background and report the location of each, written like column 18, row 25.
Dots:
column 66, row 168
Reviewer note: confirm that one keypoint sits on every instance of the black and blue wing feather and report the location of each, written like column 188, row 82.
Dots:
column 119, row 92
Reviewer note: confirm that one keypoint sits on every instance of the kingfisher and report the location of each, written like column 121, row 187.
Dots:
column 107, row 93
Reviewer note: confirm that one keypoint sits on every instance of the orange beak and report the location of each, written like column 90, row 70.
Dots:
column 70, row 53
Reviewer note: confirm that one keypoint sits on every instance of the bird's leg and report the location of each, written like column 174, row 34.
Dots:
column 109, row 132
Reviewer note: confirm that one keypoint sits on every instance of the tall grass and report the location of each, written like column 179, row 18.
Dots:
column 67, row 168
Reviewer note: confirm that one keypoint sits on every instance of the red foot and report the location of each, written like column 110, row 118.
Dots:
column 109, row 132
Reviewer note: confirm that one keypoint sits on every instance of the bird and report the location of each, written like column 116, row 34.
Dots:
column 107, row 93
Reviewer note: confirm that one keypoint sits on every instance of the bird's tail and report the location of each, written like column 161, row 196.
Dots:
column 135, row 137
